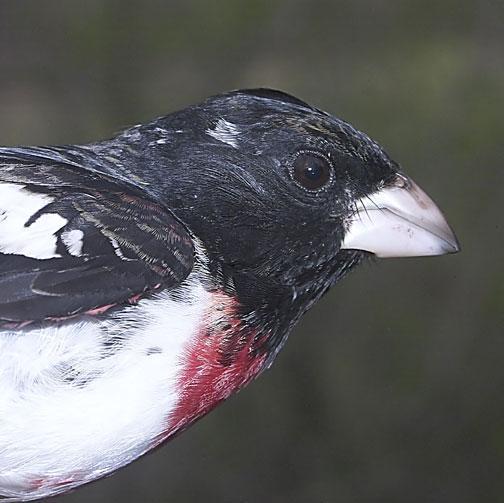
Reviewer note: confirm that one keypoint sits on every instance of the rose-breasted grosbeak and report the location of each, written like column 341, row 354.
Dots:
column 146, row 278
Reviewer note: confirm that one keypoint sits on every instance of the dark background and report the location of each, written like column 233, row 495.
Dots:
column 391, row 389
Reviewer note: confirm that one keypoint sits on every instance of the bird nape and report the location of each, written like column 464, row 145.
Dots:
column 145, row 278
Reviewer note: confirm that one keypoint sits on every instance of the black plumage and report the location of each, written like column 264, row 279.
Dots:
column 220, row 173
column 228, row 219
column 131, row 245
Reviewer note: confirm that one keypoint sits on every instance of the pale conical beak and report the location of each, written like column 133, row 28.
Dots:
column 399, row 221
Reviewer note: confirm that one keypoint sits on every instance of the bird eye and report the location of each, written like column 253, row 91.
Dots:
column 311, row 170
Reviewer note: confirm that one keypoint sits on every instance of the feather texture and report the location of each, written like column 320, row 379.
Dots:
column 72, row 240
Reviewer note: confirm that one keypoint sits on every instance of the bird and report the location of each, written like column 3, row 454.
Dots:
column 147, row 277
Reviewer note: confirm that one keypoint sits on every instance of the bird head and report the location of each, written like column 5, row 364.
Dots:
column 285, row 197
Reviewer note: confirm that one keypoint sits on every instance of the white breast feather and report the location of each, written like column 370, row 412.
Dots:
column 51, row 427
column 37, row 240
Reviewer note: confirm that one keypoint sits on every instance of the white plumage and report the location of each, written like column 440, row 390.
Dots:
column 17, row 206
column 96, row 393
column 226, row 132
column 73, row 240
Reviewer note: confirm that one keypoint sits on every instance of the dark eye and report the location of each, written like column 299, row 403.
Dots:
column 310, row 170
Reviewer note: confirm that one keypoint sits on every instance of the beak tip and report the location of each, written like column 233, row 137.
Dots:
column 451, row 243
column 454, row 246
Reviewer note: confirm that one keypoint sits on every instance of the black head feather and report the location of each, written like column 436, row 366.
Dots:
column 226, row 170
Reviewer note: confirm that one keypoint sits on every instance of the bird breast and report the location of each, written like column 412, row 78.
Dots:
column 80, row 400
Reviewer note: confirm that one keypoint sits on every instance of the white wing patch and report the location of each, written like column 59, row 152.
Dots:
column 73, row 241
column 17, row 206
column 226, row 132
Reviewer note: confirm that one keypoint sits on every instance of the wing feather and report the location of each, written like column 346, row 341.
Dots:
column 73, row 239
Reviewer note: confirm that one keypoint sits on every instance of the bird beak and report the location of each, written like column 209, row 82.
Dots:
column 399, row 221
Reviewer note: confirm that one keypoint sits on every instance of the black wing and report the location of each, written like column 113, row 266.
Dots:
column 75, row 239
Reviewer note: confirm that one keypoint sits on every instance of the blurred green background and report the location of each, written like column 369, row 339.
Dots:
column 391, row 389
